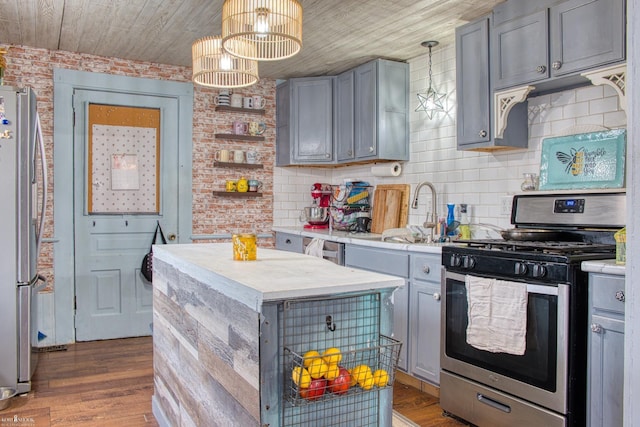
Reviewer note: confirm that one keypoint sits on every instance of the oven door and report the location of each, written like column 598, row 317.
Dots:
column 540, row 374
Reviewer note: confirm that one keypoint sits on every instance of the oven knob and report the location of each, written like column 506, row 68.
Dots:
column 468, row 262
column 538, row 270
column 455, row 260
column 520, row 268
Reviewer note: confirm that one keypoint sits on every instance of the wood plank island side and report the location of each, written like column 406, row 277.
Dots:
column 216, row 329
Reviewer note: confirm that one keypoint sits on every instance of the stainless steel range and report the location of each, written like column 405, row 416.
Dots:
column 514, row 318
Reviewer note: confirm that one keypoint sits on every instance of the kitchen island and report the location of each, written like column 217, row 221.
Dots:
column 226, row 334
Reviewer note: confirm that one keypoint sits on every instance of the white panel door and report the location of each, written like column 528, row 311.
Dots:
column 125, row 180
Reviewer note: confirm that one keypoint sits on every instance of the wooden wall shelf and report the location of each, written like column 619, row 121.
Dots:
column 235, row 137
column 238, row 165
column 240, row 110
column 237, row 194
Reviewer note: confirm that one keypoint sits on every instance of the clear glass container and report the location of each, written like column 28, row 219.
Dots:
column 530, row 182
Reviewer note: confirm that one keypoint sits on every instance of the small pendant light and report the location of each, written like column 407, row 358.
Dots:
column 213, row 67
column 431, row 101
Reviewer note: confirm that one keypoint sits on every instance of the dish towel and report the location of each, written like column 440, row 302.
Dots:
column 497, row 312
column 315, row 247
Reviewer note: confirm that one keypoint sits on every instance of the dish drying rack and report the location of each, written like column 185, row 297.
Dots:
column 349, row 201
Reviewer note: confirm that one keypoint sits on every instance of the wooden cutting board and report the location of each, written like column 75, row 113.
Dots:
column 390, row 207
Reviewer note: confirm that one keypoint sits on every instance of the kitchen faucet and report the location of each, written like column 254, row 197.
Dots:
column 434, row 216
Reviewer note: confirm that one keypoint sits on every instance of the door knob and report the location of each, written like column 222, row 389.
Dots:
column 172, row 237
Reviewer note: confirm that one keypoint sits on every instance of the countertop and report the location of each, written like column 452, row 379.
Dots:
column 363, row 239
column 274, row 276
column 607, row 266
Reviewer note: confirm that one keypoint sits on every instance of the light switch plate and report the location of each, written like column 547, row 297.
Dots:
column 506, row 205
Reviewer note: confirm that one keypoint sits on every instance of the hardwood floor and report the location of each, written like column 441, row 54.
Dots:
column 110, row 383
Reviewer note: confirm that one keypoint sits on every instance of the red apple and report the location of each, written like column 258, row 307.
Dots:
column 316, row 389
column 341, row 383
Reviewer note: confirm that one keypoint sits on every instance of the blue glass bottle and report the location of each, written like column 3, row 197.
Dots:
column 450, row 217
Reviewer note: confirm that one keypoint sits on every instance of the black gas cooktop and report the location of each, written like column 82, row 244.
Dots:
column 547, row 247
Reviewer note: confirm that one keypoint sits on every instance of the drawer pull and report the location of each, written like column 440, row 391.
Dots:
column 493, row 403
column 436, row 296
column 288, row 241
column 596, row 328
column 426, row 269
column 620, row 296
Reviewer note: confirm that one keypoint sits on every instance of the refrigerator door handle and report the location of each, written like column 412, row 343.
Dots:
column 43, row 162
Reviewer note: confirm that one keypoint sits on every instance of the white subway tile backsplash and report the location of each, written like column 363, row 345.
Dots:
column 476, row 178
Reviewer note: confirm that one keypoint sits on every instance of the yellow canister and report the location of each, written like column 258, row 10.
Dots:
column 243, row 185
column 244, row 247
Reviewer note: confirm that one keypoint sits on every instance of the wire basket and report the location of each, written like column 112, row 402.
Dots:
column 344, row 218
column 350, row 326
column 360, row 370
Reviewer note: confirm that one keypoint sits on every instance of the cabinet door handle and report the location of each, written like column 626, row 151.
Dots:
column 620, row 296
column 171, row 237
column 426, row 269
column 436, row 296
column 371, row 149
column 482, row 133
column 327, row 155
column 596, row 328
column 349, row 153
column 288, row 241
column 556, row 65
column 541, row 69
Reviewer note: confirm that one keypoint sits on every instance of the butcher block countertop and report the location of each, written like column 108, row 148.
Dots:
column 274, row 276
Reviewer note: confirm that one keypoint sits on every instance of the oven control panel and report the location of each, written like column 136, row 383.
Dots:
column 569, row 206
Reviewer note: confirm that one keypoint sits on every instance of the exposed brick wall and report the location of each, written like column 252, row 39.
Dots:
column 32, row 67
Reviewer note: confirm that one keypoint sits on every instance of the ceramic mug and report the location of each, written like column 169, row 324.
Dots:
column 240, row 128
column 221, row 155
column 256, row 128
column 222, row 100
column 247, row 102
column 252, row 157
column 236, row 100
column 259, row 102
column 230, row 185
column 238, row 156
column 254, row 185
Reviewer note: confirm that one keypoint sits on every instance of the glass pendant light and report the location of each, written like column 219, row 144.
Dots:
column 431, row 101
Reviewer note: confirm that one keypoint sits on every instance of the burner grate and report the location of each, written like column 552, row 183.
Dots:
column 548, row 247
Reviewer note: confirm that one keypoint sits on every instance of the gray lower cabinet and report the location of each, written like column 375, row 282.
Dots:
column 304, row 121
column 289, row 242
column 532, row 46
column 389, row 262
column 424, row 317
column 606, row 350
column 475, row 106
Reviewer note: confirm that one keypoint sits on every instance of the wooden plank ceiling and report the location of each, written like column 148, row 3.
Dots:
column 337, row 34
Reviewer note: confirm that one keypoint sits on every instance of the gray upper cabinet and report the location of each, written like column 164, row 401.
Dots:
column 475, row 101
column 586, row 34
column 345, row 110
column 382, row 111
column 304, row 120
column 555, row 41
column 360, row 116
column 520, row 50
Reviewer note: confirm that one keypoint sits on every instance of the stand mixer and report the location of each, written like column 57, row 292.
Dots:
column 317, row 215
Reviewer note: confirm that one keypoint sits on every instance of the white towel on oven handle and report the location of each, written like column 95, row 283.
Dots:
column 497, row 315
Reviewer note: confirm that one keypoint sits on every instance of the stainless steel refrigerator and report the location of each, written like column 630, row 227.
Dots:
column 22, row 171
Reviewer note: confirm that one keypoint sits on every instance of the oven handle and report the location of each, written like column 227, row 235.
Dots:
column 531, row 288
column 493, row 403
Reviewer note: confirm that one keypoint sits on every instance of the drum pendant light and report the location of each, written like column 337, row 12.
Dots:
column 213, row 67
column 431, row 101
column 274, row 27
